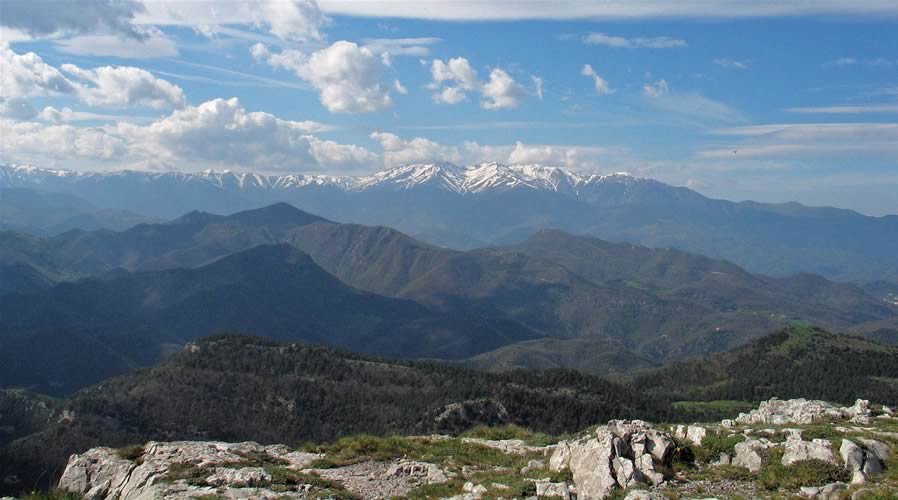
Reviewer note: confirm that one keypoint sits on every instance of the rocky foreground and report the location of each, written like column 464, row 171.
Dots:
column 788, row 448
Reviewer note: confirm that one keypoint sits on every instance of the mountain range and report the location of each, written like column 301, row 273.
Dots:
column 127, row 298
column 494, row 204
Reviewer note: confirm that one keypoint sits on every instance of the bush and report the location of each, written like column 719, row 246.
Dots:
column 133, row 453
column 813, row 472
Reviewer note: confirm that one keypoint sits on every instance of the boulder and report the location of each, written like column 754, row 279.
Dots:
column 624, row 471
column 795, row 450
column 872, row 464
column 878, row 448
column 546, row 489
column 644, row 495
column 589, row 464
column 852, row 455
column 750, row 454
column 533, row 465
column 621, row 454
column 695, row 434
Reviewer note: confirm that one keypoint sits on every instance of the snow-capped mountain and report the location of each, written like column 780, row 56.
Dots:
column 491, row 203
column 446, row 176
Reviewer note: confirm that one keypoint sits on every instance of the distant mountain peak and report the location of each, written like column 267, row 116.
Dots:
column 483, row 177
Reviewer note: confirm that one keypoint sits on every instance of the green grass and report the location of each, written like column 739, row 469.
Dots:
column 715, row 444
column 354, row 449
column 504, row 432
column 774, row 475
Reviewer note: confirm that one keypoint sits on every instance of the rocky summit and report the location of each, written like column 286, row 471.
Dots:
column 784, row 448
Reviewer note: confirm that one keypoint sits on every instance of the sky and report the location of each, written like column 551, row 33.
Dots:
column 766, row 100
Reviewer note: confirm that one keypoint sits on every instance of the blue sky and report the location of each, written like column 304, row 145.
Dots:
column 772, row 101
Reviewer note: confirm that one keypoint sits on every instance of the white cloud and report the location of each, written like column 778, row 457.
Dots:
column 607, row 9
column 37, row 140
column 537, row 86
column 807, row 140
column 450, row 95
column 695, row 109
column 452, row 80
column 398, row 151
column 457, row 70
column 156, row 44
column 846, row 110
column 656, row 89
column 28, row 75
column 54, row 115
column 288, row 20
column 215, row 133
column 349, row 78
column 657, row 42
column 125, row 86
column 401, row 46
column 600, row 83
column 728, row 63
column 501, row 91
column 51, row 17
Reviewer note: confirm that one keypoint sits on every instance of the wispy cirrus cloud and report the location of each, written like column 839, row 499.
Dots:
column 608, row 9
column 655, row 42
column 784, row 140
column 846, row 109
column 728, row 63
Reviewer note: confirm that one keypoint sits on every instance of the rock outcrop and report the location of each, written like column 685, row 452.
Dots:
column 803, row 412
column 621, row 454
column 156, row 472
column 187, row 469
column 796, row 450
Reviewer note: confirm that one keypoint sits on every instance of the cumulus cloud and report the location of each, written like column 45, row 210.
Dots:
column 33, row 139
column 125, row 86
column 656, row 89
column 600, row 83
column 50, row 17
column 400, row 151
column 454, row 78
column 501, row 91
column 658, row 42
column 219, row 132
column 349, row 78
column 28, row 75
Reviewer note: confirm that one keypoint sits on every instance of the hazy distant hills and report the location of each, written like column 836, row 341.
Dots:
column 50, row 213
column 554, row 300
column 489, row 204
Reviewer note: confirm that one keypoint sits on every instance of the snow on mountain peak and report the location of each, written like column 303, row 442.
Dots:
column 440, row 175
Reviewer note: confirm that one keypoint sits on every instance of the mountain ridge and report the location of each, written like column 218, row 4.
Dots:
column 494, row 204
